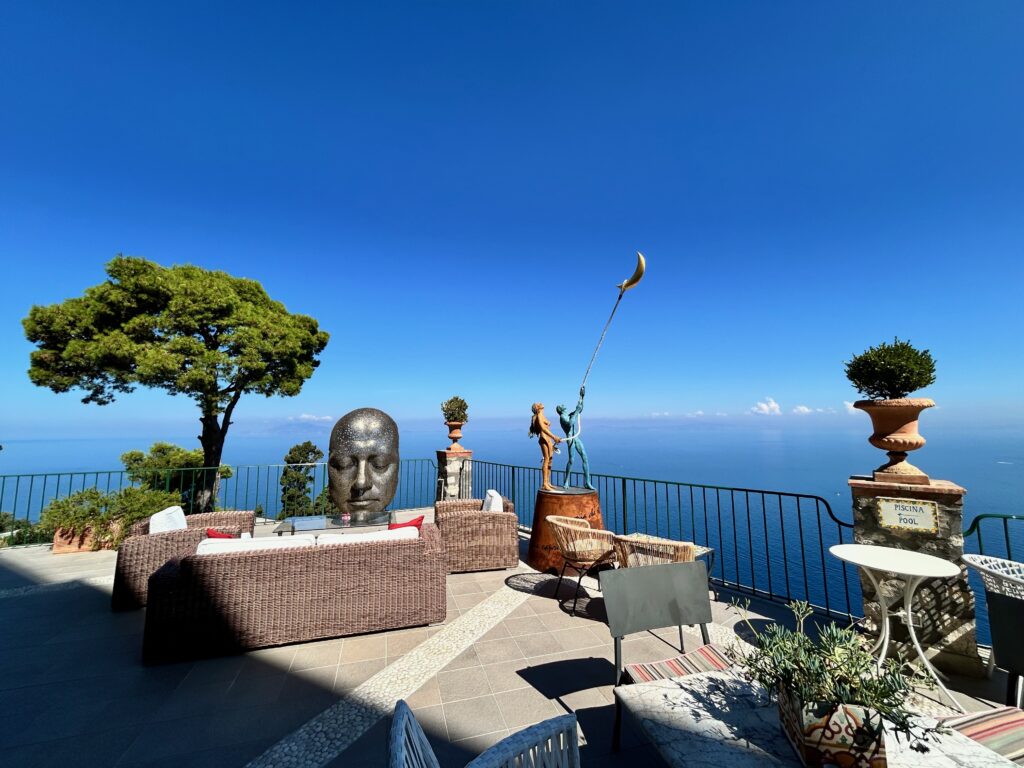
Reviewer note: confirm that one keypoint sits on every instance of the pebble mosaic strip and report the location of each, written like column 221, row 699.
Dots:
column 331, row 732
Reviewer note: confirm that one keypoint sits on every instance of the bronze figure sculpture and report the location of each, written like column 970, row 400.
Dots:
column 363, row 465
column 571, row 427
column 540, row 428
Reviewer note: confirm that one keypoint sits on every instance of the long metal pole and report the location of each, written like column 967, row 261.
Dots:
column 601, row 340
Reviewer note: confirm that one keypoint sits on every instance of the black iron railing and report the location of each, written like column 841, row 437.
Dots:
column 768, row 543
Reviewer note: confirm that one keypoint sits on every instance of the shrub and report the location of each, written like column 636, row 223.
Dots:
column 169, row 467
column 297, row 478
column 108, row 515
column 891, row 371
column 455, row 409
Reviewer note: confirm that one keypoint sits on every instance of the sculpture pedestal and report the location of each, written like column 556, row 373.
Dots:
column 568, row 502
column 454, row 475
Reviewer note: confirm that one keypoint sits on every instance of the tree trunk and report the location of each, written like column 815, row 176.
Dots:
column 206, row 484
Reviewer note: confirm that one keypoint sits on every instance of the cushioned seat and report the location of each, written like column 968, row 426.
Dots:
column 707, row 658
column 1000, row 729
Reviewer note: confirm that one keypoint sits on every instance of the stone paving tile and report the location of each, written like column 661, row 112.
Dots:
column 317, row 655
column 522, row 625
column 467, row 658
column 465, row 602
column 476, row 745
column 524, row 611
column 473, row 717
column 466, row 588
column 497, row 633
column 463, row 684
column 428, row 695
column 493, row 651
column 576, row 639
column 99, row 748
column 538, row 644
column 525, row 706
column 351, row 676
column 399, row 643
column 505, row 676
column 363, row 648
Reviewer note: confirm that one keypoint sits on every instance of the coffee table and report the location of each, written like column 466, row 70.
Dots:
column 327, row 523
column 915, row 568
column 719, row 720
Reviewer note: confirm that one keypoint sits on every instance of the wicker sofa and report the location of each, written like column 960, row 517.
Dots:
column 475, row 540
column 142, row 553
column 214, row 604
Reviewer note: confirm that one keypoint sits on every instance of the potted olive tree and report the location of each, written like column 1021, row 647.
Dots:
column 456, row 413
column 831, row 695
column 887, row 374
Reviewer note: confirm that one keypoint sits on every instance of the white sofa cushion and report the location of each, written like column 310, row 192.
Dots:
column 170, row 519
column 493, row 502
column 221, row 546
column 399, row 534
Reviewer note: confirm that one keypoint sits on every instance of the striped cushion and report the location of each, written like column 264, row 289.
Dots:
column 1001, row 730
column 707, row 658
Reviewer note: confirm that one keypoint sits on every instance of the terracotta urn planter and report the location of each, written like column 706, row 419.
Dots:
column 455, row 434
column 832, row 734
column 895, row 431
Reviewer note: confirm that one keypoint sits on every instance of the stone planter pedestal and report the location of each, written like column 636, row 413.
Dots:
column 944, row 607
column 454, row 474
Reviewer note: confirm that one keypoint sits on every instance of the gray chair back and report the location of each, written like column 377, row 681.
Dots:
column 653, row 597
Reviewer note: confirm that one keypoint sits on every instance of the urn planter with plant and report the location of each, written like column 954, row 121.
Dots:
column 456, row 413
column 887, row 374
column 89, row 520
column 836, row 706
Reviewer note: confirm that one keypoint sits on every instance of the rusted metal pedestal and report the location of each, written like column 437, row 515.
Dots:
column 568, row 502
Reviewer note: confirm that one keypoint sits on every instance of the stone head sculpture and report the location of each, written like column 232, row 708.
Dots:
column 362, row 467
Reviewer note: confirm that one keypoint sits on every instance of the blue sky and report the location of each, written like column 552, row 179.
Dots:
column 453, row 189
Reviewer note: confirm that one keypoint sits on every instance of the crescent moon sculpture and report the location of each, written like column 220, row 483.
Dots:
column 638, row 273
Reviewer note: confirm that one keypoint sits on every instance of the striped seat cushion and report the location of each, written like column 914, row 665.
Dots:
column 1000, row 729
column 707, row 658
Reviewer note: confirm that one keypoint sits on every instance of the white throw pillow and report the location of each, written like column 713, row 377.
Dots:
column 170, row 519
column 493, row 502
column 222, row 546
column 399, row 534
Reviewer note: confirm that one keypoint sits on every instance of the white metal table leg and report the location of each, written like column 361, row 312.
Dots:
column 883, row 621
column 908, row 607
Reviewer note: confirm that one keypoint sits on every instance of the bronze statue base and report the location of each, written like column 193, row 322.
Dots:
column 543, row 554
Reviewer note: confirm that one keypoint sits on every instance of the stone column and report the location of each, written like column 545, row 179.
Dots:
column 454, row 474
column 944, row 608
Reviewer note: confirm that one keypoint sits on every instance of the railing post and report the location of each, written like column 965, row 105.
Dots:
column 512, row 495
column 625, row 520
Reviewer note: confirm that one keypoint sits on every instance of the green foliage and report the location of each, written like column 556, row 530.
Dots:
column 324, row 504
column 20, row 531
column 258, row 510
column 169, row 467
column 455, row 409
column 297, row 478
column 187, row 330
column 891, row 371
column 108, row 515
column 837, row 669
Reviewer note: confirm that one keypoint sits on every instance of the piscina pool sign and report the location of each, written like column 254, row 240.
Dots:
column 908, row 514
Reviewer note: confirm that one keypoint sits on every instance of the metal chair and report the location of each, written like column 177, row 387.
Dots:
column 552, row 744
column 653, row 597
column 582, row 548
column 1004, row 593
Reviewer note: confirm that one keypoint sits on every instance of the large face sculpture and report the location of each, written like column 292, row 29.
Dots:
column 363, row 464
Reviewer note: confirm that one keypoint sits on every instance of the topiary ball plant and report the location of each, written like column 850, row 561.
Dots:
column 455, row 409
column 891, row 371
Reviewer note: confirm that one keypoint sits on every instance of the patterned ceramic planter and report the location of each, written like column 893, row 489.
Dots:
column 827, row 735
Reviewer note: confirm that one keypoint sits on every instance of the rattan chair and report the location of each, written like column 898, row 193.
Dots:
column 1004, row 593
column 551, row 744
column 475, row 540
column 141, row 554
column 583, row 549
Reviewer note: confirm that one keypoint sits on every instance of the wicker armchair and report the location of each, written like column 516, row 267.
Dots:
column 1004, row 593
column 141, row 553
column 582, row 548
column 552, row 743
column 475, row 540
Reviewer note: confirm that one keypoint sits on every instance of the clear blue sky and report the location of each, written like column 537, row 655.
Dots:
column 453, row 189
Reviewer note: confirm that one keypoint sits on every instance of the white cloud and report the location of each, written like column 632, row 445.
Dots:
column 309, row 418
column 767, row 408
column 659, row 414
column 849, row 406
column 721, row 413
column 802, row 409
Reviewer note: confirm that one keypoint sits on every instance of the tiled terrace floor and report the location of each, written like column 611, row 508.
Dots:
column 74, row 692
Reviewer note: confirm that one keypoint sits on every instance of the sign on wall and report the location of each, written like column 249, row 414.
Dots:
column 908, row 514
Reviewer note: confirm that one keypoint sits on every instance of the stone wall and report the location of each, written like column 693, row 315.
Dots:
column 944, row 608
column 454, row 475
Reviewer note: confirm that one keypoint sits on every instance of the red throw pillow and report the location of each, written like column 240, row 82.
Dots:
column 416, row 522
column 213, row 533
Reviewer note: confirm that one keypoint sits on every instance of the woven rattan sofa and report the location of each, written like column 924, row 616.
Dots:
column 142, row 553
column 475, row 540
column 206, row 605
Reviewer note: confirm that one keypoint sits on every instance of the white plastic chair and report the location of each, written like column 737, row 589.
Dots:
column 550, row 744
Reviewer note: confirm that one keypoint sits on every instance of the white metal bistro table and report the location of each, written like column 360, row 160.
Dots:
column 915, row 568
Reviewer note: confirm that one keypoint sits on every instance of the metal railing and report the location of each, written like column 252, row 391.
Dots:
column 770, row 544
column 254, row 486
column 1009, row 536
